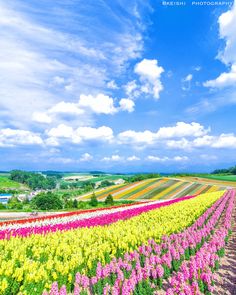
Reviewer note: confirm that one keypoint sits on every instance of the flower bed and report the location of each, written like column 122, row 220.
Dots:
column 33, row 263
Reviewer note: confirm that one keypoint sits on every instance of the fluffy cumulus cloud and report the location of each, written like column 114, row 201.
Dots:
column 225, row 79
column 227, row 27
column 150, row 74
column 79, row 135
column 85, row 107
column 100, row 104
column 181, row 129
column 12, row 137
column 127, row 104
column 222, row 141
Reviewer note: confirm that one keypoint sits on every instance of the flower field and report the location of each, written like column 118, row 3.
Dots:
column 156, row 189
column 124, row 250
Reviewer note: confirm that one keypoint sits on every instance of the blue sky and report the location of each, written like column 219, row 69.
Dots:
column 117, row 86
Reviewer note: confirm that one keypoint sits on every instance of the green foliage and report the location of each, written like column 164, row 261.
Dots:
column 47, row 201
column 109, row 200
column 33, row 180
column 106, row 183
column 2, row 206
column 139, row 177
column 75, row 203
column 93, row 201
column 231, row 170
column 14, row 203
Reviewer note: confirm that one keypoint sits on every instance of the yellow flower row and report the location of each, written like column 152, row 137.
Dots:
column 33, row 263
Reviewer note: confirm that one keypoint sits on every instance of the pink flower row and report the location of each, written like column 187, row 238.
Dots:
column 198, row 274
column 89, row 222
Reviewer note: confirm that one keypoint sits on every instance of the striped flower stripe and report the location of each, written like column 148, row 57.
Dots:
column 169, row 191
column 148, row 185
column 175, row 190
column 139, row 186
column 139, row 194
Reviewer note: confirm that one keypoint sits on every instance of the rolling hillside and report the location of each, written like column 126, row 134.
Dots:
column 6, row 183
column 158, row 189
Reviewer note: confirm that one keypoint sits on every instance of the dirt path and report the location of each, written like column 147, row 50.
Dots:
column 225, row 283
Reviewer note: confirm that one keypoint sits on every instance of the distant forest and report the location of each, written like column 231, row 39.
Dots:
column 231, row 170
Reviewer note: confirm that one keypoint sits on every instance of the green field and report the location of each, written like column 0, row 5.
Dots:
column 221, row 177
column 6, row 183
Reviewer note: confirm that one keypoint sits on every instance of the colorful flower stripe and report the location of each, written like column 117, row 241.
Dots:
column 31, row 264
column 182, row 187
column 148, row 189
column 138, row 189
column 123, row 193
column 67, row 214
column 68, row 224
column 167, row 190
column 143, row 270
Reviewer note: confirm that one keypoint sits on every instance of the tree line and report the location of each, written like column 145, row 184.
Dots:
column 34, row 180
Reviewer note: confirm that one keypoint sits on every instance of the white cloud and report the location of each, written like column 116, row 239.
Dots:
column 86, row 157
column 182, row 129
column 112, row 85
column 113, row 158
column 224, row 80
column 179, row 144
column 147, row 137
column 134, row 137
column 61, row 131
column 100, row 104
column 84, row 108
column 150, row 73
column 133, row 158
column 102, row 133
column 222, row 141
column 132, row 89
column 66, row 108
column 180, row 158
column 186, row 82
column 189, row 77
column 165, row 159
column 13, row 137
column 79, row 135
column 127, row 104
column 227, row 28
column 41, row 117
column 157, row 159
column 198, row 68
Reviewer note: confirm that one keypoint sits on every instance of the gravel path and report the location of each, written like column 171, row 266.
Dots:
column 225, row 283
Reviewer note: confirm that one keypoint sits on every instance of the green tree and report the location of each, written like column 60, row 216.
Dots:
column 93, row 201
column 47, row 201
column 75, row 203
column 109, row 200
